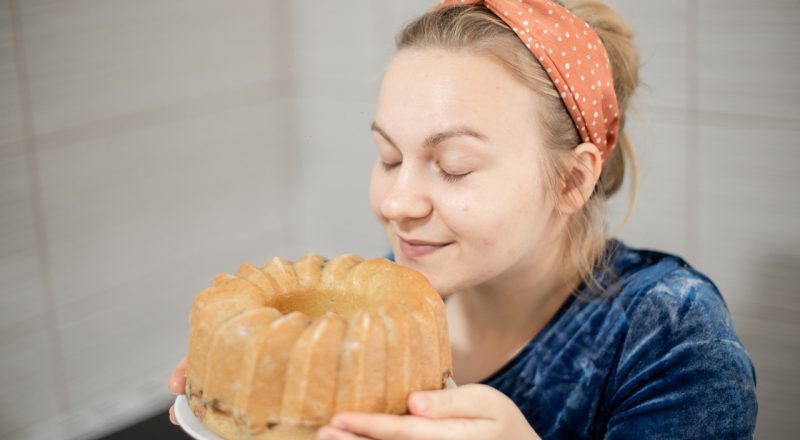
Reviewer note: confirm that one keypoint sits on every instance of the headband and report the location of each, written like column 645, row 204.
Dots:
column 574, row 58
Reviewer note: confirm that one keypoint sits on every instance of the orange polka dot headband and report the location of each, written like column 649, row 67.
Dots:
column 574, row 58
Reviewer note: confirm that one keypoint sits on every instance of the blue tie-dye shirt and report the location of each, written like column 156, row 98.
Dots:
column 655, row 356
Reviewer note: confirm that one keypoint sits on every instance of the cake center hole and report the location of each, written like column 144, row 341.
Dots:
column 314, row 303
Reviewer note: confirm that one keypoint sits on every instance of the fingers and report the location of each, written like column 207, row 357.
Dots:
column 330, row 433
column 177, row 380
column 172, row 415
column 467, row 401
column 177, row 383
column 404, row 427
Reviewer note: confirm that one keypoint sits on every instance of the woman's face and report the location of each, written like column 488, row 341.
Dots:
column 456, row 182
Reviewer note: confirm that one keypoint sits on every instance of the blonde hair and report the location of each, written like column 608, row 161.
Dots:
column 475, row 28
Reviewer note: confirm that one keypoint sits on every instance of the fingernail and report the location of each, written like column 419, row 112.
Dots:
column 338, row 423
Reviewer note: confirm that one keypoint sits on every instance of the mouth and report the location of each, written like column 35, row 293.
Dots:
column 413, row 249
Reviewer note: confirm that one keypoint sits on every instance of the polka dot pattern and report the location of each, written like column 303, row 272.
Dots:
column 574, row 58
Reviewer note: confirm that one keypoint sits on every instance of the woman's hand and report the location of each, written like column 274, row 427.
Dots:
column 177, row 384
column 473, row 411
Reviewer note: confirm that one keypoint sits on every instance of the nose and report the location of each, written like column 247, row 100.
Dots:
column 407, row 198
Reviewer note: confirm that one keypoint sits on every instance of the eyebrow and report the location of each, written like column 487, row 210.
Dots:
column 434, row 139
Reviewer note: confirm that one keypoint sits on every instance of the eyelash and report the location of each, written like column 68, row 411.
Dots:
column 389, row 166
column 445, row 176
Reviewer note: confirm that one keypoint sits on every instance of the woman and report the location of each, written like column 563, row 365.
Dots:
column 500, row 130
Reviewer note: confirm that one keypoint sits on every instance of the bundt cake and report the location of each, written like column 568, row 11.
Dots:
column 275, row 351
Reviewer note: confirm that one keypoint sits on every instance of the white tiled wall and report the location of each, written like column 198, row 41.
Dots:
column 143, row 150
column 146, row 146
column 719, row 184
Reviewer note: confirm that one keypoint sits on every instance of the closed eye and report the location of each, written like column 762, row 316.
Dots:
column 445, row 175
column 452, row 177
column 388, row 166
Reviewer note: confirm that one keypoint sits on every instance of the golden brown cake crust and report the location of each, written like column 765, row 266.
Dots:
column 275, row 351
column 226, row 427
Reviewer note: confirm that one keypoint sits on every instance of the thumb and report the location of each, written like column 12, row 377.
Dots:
column 177, row 380
column 467, row 401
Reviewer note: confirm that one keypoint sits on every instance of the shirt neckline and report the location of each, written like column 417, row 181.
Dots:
column 613, row 245
column 522, row 353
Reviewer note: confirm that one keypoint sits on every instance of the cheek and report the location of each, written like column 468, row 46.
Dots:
column 472, row 218
column 502, row 219
column 476, row 224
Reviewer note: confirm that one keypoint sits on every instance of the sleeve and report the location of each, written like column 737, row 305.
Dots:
column 682, row 372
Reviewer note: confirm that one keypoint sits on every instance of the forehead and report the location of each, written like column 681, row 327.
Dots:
column 434, row 88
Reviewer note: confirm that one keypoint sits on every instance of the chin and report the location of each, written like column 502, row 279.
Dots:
column 440, row 276
column 442, row 284
column 425, row 269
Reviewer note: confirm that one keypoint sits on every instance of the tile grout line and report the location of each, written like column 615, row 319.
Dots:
column 248, row 94
column 692, row 143
column 35, row 185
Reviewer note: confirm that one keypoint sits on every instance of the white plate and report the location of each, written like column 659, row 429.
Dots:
column 195, row 427
column 190, row 423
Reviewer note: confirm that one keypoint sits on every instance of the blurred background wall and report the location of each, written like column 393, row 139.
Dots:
column 146, row 146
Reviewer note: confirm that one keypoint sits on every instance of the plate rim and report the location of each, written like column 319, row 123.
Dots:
column 199, row 431
column 190, row 423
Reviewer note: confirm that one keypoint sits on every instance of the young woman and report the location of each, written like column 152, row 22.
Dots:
column 500, row 130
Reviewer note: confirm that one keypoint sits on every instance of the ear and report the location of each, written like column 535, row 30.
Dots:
column 582, row 173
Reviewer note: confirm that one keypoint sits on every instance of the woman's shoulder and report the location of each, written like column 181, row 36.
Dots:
column 679, row 354
column 668, row 304
column 655, row 286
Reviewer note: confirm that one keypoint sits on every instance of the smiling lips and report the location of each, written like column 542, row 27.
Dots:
column 419, row 248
